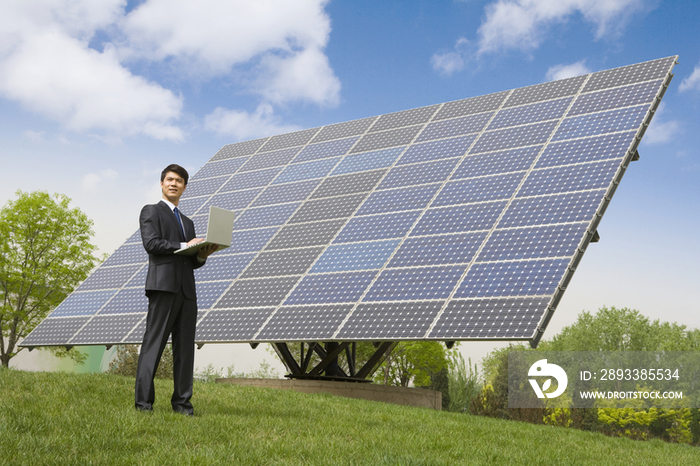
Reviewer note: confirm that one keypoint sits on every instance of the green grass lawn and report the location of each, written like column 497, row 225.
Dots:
column 74, row 419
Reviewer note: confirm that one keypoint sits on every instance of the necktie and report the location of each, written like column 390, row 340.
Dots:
column 179, row 222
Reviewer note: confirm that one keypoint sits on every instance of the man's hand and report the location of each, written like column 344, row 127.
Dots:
column 207, row 250
column 194, row 241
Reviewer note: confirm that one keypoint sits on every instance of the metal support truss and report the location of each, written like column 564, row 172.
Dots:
column 328, row 368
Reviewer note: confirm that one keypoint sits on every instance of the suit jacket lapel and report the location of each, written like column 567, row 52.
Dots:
column 188, row 225
column 171, row 215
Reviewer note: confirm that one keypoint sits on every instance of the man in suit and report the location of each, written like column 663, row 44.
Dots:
column 170, row 288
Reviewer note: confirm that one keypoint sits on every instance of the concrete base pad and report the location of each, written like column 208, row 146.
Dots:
column 368, row 391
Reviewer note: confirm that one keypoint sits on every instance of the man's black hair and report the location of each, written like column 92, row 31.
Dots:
column 175, row 168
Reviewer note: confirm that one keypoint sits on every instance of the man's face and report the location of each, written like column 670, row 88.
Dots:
column 172, row 186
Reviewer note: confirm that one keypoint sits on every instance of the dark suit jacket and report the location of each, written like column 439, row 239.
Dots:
column 160, row 234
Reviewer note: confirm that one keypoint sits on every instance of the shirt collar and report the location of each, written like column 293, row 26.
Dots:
column 169, row 204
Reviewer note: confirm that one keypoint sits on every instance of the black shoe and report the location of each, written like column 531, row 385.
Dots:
column 183, row 411
column 144, row 409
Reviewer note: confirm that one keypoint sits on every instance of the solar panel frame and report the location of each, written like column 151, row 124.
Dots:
column 321, row 249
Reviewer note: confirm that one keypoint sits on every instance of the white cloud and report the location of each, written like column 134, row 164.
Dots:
column 447, row 62
column 522, row 24
column 36, row 136
column 452, row 61
column 273, row 48
column 58, row 77
column 692, row 81
column 92, row 181
column 660, row 130
column 243, row 125
column 567, row 71
column 50, row 70
column 211, row 37
column 305, row 76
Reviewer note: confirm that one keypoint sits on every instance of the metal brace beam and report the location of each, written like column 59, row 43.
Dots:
column 351, row 354
column 377, row 358
column 330, row 357
column 286, row 356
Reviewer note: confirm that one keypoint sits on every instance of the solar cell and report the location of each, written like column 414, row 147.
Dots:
column 259, row 217
column 191, row 205
column 423, row 173
column 439, row 249
column 533, row 242
column 106, row 329
column 206, row 186
column 355, row 256
column 225, row 167
column 516, row 278
column 444, row 149
column 127, row 254
column 415, row 283
column 250, row 240
column 227, row 266
column 238, row 150
column 489, row 319
column 394, row 137
column 257, row 292
column 283, row 141
column 455, row 127
column 646, row 71
column 393, row 200
column 402, row 321
column 109, row 277
column 471, row 217
column 595, row 175
column 532, row 113
column 485, row 188
column 55, row 331
column 307, row 171
column 306, row 234
column 404, row 118
column 127, row 301
column 285, row 262
column 331, row 288
column 616, row 98
column 241, row 181
column 234, row 200
column 457, row 221
column 341, row 130
column 518, row 136
column 472, row 105
column 292, row 322
column 269, row 159
column 492, row 163
column 328, row 208
column 601, row 123
column 376, row 227
column 586, row 150
column 223, row 325
column 545, row 91
column 83, row 303
column 279, row 194
column 368, row 161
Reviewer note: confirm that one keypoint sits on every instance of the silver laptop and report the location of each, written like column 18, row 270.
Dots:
column 219, row 231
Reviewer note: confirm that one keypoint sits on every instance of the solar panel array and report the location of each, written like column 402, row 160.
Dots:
column 463, row 220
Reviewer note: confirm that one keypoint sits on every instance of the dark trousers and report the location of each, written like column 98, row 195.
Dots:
column 167, row 313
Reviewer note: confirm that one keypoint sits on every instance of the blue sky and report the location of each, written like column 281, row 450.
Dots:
column 97, row 97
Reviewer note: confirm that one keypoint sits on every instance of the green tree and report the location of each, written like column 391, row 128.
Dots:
column 412, row 361
column 613, row 329
column 45, row 253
